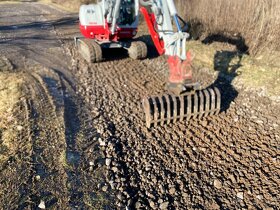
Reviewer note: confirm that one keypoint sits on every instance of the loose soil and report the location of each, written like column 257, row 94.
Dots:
column 84, row 140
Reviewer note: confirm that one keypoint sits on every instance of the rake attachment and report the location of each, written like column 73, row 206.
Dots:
column 171, row 108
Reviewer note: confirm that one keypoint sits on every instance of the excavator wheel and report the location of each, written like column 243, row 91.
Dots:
column 138, row 50
column 90, row 50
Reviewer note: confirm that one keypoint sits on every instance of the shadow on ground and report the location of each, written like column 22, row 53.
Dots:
column 227, row 63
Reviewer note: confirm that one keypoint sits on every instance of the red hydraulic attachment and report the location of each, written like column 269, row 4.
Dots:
column 179, row 71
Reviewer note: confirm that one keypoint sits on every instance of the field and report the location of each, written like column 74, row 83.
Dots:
column 73, row 136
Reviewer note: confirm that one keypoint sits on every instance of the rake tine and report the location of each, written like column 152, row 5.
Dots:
column 168, row 109
column 175, row 110
column 213, row 101
column 218, row 100
column 156, row 111
column 182, row 108
column 189, row 110
column 201, row 105
column 147, row 110
column 162, row 110
column 195, row 108
column 207, row 102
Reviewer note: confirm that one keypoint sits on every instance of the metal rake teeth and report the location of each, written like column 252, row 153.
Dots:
column 171, row 108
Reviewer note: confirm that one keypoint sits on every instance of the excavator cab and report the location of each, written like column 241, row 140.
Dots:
column 127, row 14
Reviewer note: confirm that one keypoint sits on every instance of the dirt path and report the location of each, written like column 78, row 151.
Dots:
column 90, row 129
column 58, row 134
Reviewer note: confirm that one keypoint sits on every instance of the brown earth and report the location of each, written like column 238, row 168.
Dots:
column 85, row 144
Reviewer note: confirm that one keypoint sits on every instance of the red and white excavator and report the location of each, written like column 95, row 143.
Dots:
column 114, row 24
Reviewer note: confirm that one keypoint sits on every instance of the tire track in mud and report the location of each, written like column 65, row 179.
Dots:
column 197, row 164
column 62, row 168
column 83, row 159
column 67, row 180
column 47, row 183
column 14, row 187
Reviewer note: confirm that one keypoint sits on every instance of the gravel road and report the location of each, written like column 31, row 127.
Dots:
column 90, row 148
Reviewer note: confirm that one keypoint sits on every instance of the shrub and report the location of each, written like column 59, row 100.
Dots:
column 256, row 21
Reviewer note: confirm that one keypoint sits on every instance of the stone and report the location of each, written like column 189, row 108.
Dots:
column 120, row 196
column 152, row 205
column 204, row 123
column 101, row 142
column 185, row 195
column 115, row 169
column 232, row 178
column 260, row 197
column 259, row 122
column 105, row 188
column 172, row 190
column 108, row 161
column 218, row 184
column 137, row 205
column 240, row 195
column 42, row 205
column 162, row 188
column 37, row 177
column 19, row 128
column 113, row 185
column 129, row 202
column 275, row 125
column 164, row 205
column 154, row 180
column 235, row 119
column 214, row 206
column 203, row 149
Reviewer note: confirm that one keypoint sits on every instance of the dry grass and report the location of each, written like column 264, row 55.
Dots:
column 10, row 93
column 257, row 21
column 260, row 73
column 71, row 5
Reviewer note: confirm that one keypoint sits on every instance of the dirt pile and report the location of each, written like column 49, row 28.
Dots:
column 5, row 65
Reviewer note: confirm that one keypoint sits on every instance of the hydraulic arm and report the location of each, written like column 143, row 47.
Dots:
column 184, row 99
column 114, row 23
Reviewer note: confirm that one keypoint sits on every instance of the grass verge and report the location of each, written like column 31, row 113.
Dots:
column 10, row 94
column 261, row 73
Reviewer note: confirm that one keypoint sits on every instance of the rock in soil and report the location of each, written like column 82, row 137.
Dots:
column 217, row 184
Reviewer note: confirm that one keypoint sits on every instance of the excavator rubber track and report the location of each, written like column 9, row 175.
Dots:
column 89, row 50
column 160, row 110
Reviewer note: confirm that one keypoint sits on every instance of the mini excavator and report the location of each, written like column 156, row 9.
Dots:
column 114, row 24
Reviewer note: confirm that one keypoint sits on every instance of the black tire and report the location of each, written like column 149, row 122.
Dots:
column 138, row 50
column 90, row 50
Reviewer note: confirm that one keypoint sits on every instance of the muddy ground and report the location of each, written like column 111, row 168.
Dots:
column 83, row 140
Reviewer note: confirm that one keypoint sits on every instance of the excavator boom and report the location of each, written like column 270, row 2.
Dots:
column 184, row 100
column 114, row 23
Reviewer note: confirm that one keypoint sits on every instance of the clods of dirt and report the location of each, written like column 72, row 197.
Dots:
column 5, row 65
